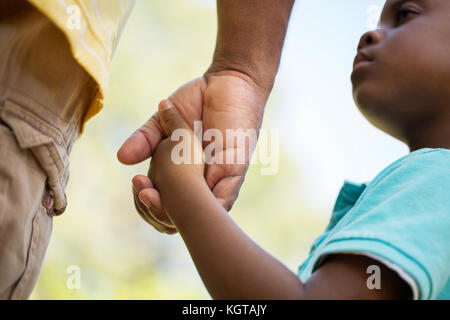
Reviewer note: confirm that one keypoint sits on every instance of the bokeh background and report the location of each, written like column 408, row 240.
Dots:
column 323, row 141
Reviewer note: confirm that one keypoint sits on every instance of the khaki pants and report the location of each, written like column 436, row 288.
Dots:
column 44, row 95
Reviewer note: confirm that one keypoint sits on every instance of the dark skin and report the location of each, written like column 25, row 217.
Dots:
column 231, row 95
column 403, row 90
column 230, row 264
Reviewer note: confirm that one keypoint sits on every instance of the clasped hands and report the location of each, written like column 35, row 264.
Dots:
column 221, row 100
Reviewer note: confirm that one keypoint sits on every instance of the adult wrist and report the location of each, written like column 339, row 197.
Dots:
column 259, row 73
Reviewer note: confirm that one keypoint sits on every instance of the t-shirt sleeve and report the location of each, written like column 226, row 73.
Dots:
column 402, row 219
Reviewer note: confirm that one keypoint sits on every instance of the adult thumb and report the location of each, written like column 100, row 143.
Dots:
column 170, row 118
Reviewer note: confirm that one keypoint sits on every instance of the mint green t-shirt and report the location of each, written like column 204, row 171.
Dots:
column 400, row 218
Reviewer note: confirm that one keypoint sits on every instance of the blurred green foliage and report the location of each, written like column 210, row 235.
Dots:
column 165, row 44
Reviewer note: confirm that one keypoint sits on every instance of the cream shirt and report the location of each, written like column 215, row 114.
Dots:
column 93, row 29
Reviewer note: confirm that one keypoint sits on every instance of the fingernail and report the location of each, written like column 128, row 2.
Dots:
column 146, row 202
column 166, row 105
column 136, row 185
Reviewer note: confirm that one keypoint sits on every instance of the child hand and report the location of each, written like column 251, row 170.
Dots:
column 178, row 160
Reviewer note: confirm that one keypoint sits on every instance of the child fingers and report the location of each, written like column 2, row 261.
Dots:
column 170, row 118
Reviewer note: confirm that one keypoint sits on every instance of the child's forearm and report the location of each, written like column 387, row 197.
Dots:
column 230, row 264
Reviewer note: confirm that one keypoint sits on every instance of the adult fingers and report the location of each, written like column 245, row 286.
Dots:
column 141, row 144
column 151, row 198
column 150, row 214
column 225, row 181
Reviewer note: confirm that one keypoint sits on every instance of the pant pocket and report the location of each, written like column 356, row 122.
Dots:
column 47, row 145
column 24, row 225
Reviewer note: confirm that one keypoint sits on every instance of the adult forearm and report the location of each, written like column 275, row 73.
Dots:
column 230, row 264
column 250, row 37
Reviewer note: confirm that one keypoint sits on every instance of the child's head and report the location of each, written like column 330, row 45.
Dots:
column 404, row 89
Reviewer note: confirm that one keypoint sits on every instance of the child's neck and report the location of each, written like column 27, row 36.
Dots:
column 430, row 134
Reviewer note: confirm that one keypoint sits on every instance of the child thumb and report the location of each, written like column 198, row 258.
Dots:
column 170, row 117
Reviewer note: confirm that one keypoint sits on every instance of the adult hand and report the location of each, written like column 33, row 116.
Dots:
column 222, row 100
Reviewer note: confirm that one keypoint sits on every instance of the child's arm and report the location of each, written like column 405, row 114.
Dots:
column 230, row 264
